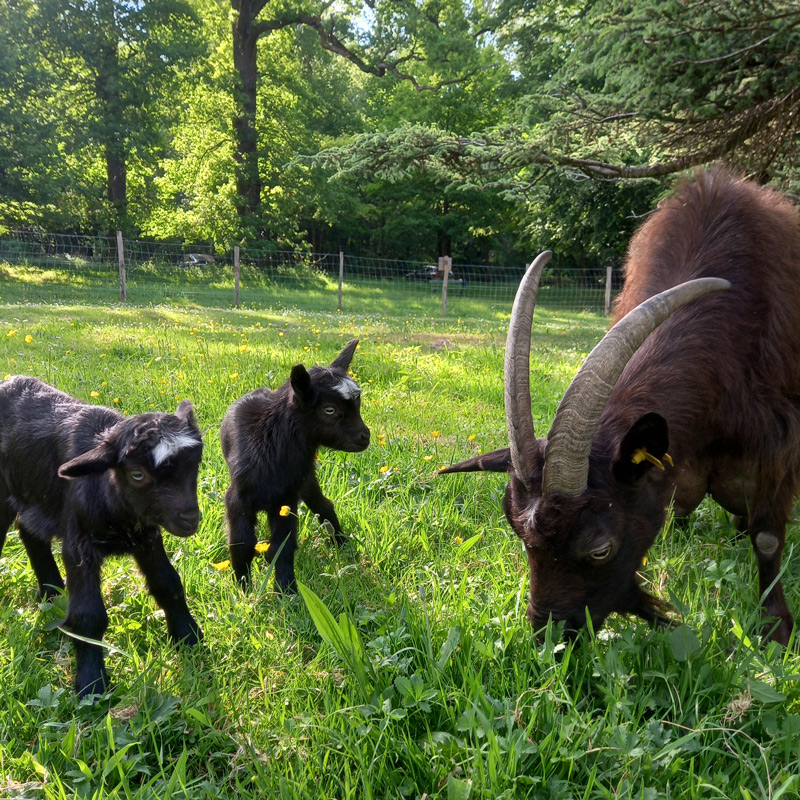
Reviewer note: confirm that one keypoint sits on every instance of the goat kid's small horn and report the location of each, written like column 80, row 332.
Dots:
column 519, row 419
column 569, row 441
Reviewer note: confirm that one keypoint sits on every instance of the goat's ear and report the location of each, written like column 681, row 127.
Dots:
column 185, row 412
column 301, row 382
column 342, row 361
column 496, row 461
column 99, row 459
column 644, row 446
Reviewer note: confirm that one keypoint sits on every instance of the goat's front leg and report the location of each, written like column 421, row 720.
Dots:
column 282, row 545
column 312, row 496
column 86, row 616
column 164, row 583
column 241, row 535
column 768, row 537
column 40, row 554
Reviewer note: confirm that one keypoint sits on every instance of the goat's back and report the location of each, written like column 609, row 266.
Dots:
column 723, row 371
column 38, row 432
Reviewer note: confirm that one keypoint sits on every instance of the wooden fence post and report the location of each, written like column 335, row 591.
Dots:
column 123, row 287
column 236, row 275
column 609, row 274
column 341, row 277
column 445, row 263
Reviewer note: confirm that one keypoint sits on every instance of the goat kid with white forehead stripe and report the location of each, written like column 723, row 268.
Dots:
column 103, row 483
column 270, row 441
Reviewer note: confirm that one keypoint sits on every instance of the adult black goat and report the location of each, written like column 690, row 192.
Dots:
column 270, row 441
column 103, row 483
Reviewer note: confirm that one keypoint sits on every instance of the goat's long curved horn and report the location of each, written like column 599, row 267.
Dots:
column 570, row 438
column 521, row 435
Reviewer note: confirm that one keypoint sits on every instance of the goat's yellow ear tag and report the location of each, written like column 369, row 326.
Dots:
column 642, row 455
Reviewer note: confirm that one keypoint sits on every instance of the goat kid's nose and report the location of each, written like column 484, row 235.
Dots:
column 189, row 517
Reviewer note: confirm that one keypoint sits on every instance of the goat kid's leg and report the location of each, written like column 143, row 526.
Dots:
column 40, row 554
column 164, row 583
column 282, row 546
column 6, row 518
column 241, row 536
column 768, row 541
column 86, row 617
column 312, row 496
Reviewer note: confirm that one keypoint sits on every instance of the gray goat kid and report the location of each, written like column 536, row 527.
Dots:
column 270, row 441
column 103, row 483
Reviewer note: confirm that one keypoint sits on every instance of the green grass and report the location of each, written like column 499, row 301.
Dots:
column 409, row 670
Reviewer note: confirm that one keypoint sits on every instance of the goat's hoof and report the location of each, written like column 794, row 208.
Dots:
column 93, row 688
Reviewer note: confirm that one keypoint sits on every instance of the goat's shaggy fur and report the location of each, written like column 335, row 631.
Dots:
column 103, row 484
column 717, row 386
column 270, row 441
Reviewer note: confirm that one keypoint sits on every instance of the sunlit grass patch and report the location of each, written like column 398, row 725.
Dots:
column 436, row 686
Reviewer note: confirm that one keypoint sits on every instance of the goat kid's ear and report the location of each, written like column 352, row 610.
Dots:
column 644, row 447
column 301, row 382
column 185, row 412
column 496, row 461
column 99, row 459
column 342, row 361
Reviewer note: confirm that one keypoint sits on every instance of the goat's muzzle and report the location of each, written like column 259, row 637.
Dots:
column 183, row 523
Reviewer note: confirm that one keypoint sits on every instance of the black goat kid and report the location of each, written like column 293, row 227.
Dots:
column 270, row 441
column 103, row 483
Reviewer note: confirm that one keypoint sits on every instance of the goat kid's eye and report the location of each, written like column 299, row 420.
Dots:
column 601, row 554
column 136, row 475
column 330, row 410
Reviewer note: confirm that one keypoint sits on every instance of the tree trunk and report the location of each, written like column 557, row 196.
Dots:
column 248, row 181
column 107, row 93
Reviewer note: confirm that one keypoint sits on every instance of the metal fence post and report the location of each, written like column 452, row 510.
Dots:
column 609, row 274
column 445, row 264
column 341, row 277
column 236, row 275
column 123, row 288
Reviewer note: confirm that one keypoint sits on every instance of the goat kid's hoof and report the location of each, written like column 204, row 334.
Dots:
column 94, row 688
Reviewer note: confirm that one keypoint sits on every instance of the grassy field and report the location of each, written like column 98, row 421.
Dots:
column 409, row 671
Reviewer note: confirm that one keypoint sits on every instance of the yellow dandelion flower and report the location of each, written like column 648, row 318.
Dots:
column 11, row 333
column 116, row 400
column 471, row 437
column 233, row 376
column 104, row 383
column 427, row 458
column 242, row 348
column 94, row 394
column 285, row 511
column 458, row 540
column 262, row 547
column 221, row 565
column 28, row 339
column 384, row 469
column 6, row 377
column 280, row 333
column 435, row 434
column 644, row 561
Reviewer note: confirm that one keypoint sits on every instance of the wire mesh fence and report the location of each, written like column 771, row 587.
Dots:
column 54, row 267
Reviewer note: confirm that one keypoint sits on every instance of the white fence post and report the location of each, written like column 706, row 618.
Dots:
column 609, row 274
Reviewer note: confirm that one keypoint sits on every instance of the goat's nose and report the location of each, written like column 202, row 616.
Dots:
column 189, row 517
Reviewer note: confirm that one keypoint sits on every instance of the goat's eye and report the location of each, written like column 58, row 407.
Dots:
column 136, row 475
column 329, row 410
column 602, row 553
